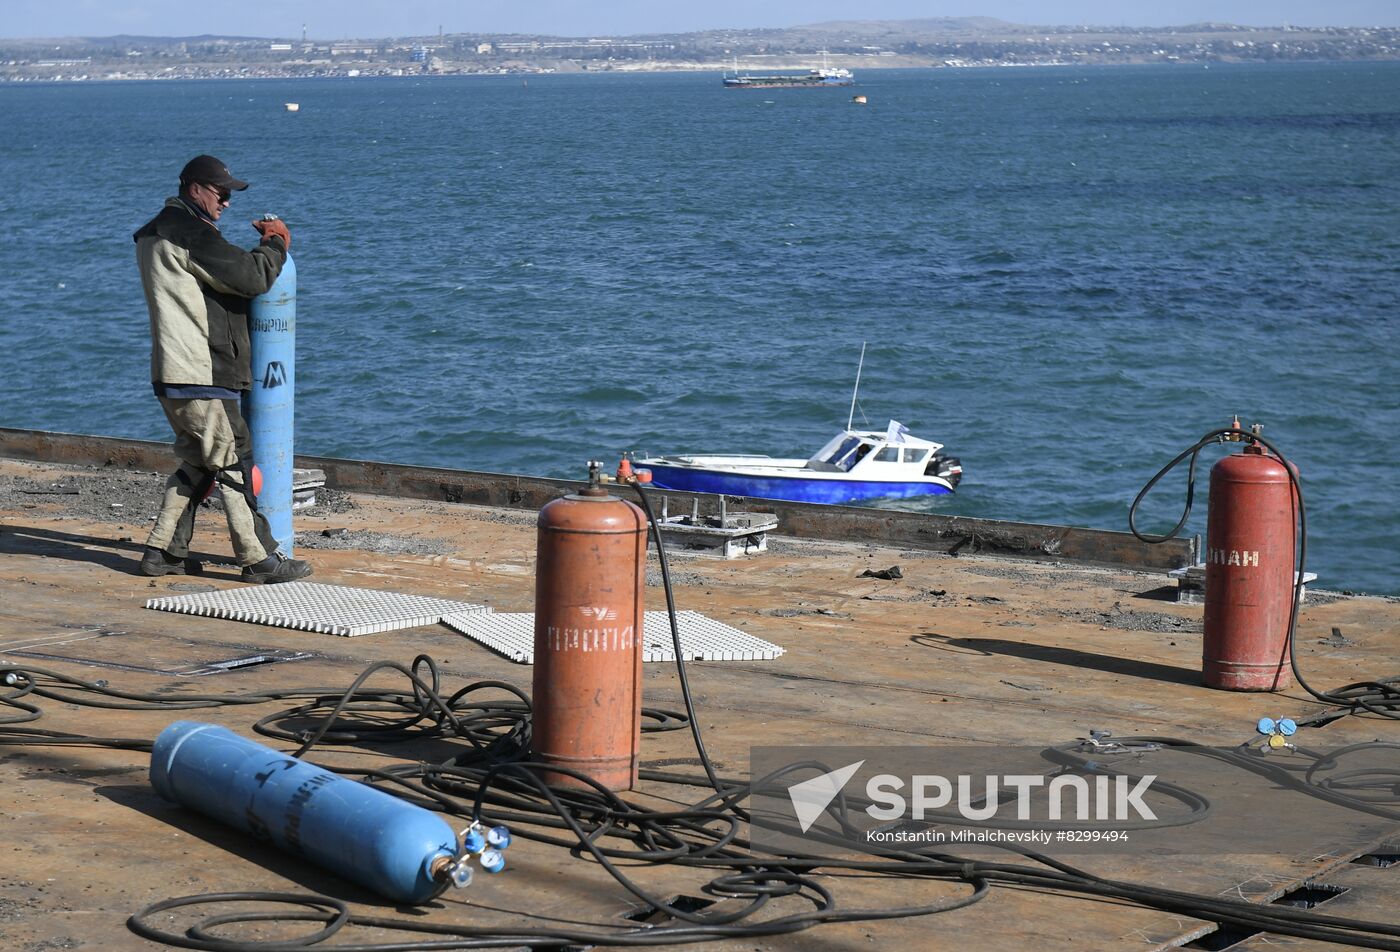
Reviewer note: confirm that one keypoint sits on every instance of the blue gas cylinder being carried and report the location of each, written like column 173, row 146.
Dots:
column 270, row 406
column 397, row 849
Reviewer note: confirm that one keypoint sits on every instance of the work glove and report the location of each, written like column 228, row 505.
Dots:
column 274, row 227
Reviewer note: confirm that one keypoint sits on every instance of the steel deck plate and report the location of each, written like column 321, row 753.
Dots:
column 311, row 606
column 512, row 634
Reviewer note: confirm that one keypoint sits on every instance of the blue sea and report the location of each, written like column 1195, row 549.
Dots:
column 1065, row 275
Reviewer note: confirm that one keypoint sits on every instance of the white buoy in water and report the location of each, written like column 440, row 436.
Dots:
column 292, row 106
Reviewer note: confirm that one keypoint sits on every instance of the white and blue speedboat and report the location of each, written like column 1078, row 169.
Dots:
column 857, row 465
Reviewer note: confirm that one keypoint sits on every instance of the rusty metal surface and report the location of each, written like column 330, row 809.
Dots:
column 967, row 650
column 1368, row 893
column 590, row 585
column 961, row 535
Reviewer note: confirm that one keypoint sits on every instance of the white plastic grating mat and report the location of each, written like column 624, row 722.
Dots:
column 703, row 639
column 310, row 606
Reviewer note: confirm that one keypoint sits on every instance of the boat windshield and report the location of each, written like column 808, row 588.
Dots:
column 845, row 455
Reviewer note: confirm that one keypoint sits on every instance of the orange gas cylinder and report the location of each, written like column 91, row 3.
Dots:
column 1249, row 573
column 587, row 694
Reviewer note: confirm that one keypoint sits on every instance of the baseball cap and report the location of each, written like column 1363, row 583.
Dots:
column 207, row 170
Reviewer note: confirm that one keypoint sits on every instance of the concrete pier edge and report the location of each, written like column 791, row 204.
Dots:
column 955, row 535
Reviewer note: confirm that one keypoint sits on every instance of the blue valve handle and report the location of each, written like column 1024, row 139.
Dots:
column 1285, row 726
column 473, row 841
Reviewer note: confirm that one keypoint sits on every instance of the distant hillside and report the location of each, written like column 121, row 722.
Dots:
column 123, row 39
column 858, row 45
column 990, row 28
column 201, row 38
column 912, row 30
column 944, row 25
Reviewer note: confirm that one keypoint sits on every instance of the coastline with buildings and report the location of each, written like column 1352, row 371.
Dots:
column 862, row 45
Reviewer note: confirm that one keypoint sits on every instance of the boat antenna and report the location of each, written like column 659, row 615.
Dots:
column 851, row 418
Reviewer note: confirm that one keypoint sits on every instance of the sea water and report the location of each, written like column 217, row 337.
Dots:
column 1066, row 275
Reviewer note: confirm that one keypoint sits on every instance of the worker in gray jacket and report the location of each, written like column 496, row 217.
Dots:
column 198, row 287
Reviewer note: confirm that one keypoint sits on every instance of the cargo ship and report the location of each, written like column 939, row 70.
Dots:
column 823, row 76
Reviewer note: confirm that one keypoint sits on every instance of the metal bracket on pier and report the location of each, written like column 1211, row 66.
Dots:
column 725, row 534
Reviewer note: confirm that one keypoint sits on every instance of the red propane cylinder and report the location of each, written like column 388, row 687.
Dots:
column 1249, row 573
column 590, row 576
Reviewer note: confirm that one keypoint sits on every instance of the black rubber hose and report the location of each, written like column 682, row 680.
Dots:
column 676, row 638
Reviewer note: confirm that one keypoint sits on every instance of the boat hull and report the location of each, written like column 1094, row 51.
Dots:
column 760, row 83
column 790, row 488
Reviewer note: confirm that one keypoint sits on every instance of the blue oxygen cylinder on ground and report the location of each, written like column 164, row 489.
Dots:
column 393, row 847
column 269, row 407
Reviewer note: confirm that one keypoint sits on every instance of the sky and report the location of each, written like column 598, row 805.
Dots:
column 339, row 19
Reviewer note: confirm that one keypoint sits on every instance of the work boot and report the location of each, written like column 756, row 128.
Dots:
column 276, row 568
column 158, row 562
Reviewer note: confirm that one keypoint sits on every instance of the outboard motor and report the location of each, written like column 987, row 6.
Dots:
column 945, row 467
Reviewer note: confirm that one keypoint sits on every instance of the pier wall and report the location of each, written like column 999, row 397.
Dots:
column 955, row 535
